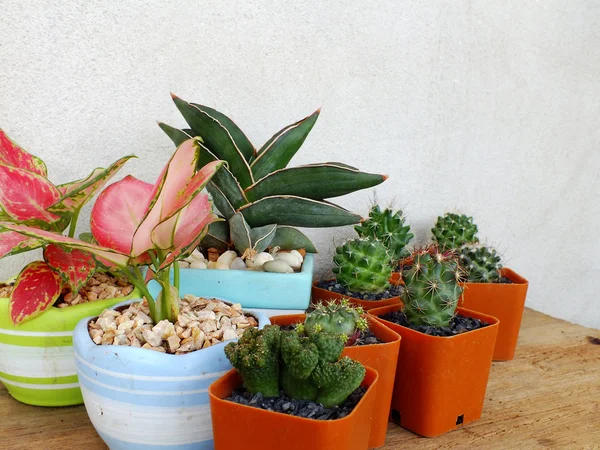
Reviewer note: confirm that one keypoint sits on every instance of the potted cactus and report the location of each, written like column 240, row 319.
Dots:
column 294, row 383
column 369, row 342
column 40, row 307
column 137, row 362
column 262, row 200
column 454, row 230
column 446, row 352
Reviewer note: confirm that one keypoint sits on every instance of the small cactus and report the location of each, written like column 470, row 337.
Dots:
column 431, row 289
column 452, row 231
column 481, row 264
column 335, row 318
column 389, row 228
column 363, row 265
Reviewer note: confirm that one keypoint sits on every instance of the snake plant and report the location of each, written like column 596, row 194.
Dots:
column 260, row 197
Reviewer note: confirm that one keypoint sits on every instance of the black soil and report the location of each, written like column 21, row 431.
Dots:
column 334, row 286
column 459, row 324
column 301, row 408
column 364, row 338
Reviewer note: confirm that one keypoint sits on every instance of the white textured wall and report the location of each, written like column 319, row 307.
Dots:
column 490, row 107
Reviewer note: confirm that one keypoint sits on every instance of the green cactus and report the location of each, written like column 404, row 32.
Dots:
column 481, row 264
column 431, row 289
column 257, row 185
column 311, row 368
column 363, row 265
column 389, row 228
column 256, row 357
column 335, row 318
column 452, row 231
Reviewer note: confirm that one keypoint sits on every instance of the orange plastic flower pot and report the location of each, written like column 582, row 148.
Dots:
column 381, row 357
column 503, row 301
column 441, row 381
column 325, row 295
column 259, row 429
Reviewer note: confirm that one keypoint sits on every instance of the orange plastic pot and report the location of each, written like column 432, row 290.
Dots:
column 259, row 429
column 503, row 301
column 325, row 295
column 381, row 357
column 441, row 381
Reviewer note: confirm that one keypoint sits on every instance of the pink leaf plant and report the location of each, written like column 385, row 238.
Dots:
column 135, row 223
column 28, row 198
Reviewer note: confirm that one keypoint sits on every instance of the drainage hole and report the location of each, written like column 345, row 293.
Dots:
column 459, row 419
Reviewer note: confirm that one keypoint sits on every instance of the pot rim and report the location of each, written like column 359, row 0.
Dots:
column 314, row 285
column 508, row 273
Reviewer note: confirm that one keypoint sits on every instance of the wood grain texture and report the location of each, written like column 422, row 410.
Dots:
column 547, row 398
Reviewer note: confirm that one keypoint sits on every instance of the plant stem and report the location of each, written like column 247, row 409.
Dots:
column 155, row 260
column 138, row 281
column 73, row 225
column 176, row 275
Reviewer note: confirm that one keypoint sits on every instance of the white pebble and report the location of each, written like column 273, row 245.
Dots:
column 238, row 264
column 197, row 255
column 227, row 257
column 221, row 266
column 198, row 265
column 291, row 260
column 257, row 262
column 277, row 266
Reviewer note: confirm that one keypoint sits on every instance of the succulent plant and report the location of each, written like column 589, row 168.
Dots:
column 335, row 318
column 452, row 231
column 389, row 228
column 481, row 264
column 260, row 197
column 431, row 288
column 363, row 265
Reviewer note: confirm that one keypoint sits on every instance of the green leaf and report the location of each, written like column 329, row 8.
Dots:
column 217, row 138
column 281, row 148
column 217, row 236
column 262, row 237
column 238, row 136
column 289, row 238
column 240, row 232
column 175, row 134
column 297, row 211
column 87, row 237
column 316, row 181
column 220, row 200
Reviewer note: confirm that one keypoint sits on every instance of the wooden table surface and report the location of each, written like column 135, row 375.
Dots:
column 548, row 397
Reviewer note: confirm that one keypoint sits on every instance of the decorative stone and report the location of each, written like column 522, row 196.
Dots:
column 237, row 264
column 278, row 266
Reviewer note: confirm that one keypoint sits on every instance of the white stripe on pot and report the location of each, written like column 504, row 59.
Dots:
column 41, row 387
column 37, row 362
column 148, row 425
column 36, row 333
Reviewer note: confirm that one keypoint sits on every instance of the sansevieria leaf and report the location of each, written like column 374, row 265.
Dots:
column 240, row 232
column 289, row 238
column 296, row 211
column 175, row 134
column 217, row 236
column 281, row 148
column 316, row 181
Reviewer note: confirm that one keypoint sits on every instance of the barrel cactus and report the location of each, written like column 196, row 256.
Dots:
column 260, row 198
column 335, row 317
column 452, row 231
column 388, row 227
column 481, row 264
column 431, row 289
column 363, row 265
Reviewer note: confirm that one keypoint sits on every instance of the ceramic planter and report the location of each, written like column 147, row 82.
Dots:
column 36, row 357
column 503, row 301
column 254, row 289
column 382, row 358
column 140, row 399
column 441, row 381
column 238, row 426
column 325, row 295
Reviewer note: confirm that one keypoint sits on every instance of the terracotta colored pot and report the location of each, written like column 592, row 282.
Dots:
column 381, row 357
column 503, row 301
column 441, row 381
column 324, row 295
column 259, row 429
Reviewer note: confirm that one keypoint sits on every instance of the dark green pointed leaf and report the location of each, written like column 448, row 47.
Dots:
column 217, row 236
column 316, row 181
column 262, row 237
column 175, row 134
column 281, row 148
column 297, row 211
column 220, row 200
column 240, row 232
column 217, row 139
column 289, row 238
column 238, row 136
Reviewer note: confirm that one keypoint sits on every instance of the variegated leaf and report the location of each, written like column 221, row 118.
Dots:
column 11, row 154
column 74, row 266
column 12, row 243
column 36, row 289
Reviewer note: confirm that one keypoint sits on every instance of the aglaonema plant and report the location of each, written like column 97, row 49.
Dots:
column 28, row 198
column 135, row 223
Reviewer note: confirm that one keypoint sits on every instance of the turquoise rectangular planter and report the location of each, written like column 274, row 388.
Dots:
column 252, row 289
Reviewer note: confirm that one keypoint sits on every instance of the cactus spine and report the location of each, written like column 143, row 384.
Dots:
column 481, row 264
column 335, row 318
column 452, row 231
column 363, row 265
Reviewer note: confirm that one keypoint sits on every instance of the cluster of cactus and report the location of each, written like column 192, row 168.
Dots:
column 363, row 265
column 452, row 231
column 432, row 288
column 336, row 318
column 305, row 367
column 389, row 228
column 481, row 264
column 260, row 197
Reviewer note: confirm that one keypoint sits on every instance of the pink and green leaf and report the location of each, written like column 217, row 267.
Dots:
column 78, row 193
column 12, row 243
column 36, row 289
column 11, row 154
column 74, row 266
column 26, row 195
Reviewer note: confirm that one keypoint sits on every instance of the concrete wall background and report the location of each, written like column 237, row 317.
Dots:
column 487, row 107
